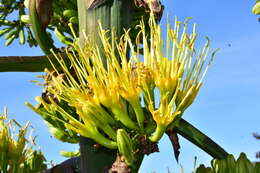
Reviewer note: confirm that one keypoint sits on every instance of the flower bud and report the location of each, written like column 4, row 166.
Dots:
column 125, row 146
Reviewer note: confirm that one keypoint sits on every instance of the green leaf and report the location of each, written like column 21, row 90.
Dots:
column 244, row 165
column 203, row 169
column 199, row 139
column 257, row 167
column 231, row 162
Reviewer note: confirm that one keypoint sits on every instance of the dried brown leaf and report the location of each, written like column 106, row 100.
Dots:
column 175, row 143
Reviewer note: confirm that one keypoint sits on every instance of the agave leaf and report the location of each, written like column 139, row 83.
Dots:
column 257, row 167
column 203, row 169
column 231, row 163
column 244, row 165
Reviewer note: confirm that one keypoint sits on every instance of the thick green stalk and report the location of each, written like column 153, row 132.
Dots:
column 26, row 63
column 113, row 15
column 199, row 139
column 92, row 159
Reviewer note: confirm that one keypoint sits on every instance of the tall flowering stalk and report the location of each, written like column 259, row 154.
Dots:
column 103, row 93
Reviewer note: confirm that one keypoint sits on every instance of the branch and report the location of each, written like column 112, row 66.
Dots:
column 23, row 63
column 27, row 63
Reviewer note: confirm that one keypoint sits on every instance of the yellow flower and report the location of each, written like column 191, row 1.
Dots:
column 193, row 78
column 15, row 149
column 86, row 128
column 174, row 71
column 119, row 78
column 105, row 78
column 166, row 69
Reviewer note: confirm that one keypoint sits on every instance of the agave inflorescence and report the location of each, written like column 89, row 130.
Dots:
column 104, row 85
column 16, row 153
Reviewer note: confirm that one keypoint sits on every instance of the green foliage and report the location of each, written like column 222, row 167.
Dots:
column 13, row 22
column 230, row 165
column 64, row 12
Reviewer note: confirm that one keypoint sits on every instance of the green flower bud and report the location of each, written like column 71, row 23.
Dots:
column 125, row 146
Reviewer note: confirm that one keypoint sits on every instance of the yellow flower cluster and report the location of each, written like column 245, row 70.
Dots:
column 104, row 82
column 15, row 153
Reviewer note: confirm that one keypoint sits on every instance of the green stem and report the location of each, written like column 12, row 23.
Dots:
column 109, row 131
column 123, row 117
column 27, row 63
column 138, row 112
column 199, row 139
column 107, row 117
column 100, row 139
column 159, row 131
column 15, row 168
column 5, row 163
column 40, row 33
column 151, row 93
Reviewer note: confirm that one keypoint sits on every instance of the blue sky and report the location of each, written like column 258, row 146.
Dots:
column 227, row 108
